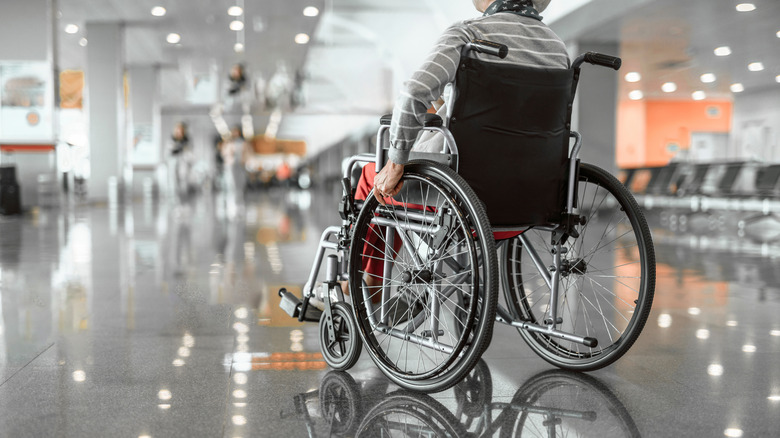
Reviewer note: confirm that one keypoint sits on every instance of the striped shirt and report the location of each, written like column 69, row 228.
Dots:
column 530, row 43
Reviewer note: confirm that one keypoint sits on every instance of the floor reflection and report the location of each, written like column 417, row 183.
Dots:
column 163, row 320
column 551, row 403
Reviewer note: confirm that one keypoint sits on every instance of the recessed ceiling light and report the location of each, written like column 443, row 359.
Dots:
column 235, row 11
column 737, row 88
column 173, row 38
column 669, row 87
column 777, row 78
column 636, row 95
column 71, row 29
column 633, row 77
column 83, row 42
column 746, row 7
column 698, row 95
column 755, row 66
column 301, row 38
column 238, row 48
column 778, row 34
column 749, row 348
column 311, row 11
column 708, row 78
column 159, row 11
column 236, row 25
column 723, row 51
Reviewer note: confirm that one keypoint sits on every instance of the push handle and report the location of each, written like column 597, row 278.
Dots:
column 489, row 47
column 603, row 60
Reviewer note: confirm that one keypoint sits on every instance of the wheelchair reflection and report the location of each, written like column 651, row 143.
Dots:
column 552, row 403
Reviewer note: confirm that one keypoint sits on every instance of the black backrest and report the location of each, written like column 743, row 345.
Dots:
column 511, row 125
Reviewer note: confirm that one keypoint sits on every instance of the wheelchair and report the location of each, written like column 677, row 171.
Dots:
column 515, row 211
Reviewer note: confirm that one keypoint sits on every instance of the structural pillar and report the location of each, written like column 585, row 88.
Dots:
column 105, row 102
column 144, row 120
column 595, row 114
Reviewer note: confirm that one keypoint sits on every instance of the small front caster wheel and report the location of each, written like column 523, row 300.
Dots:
column 343, row 352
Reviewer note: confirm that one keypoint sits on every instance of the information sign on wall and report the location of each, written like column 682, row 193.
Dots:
column 26, row 102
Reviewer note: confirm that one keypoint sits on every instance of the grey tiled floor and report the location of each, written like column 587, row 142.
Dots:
column 162, row 321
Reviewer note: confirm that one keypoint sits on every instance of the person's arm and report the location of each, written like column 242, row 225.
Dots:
column 425, row 86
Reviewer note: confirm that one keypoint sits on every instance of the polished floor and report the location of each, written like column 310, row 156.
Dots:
column 162, row 321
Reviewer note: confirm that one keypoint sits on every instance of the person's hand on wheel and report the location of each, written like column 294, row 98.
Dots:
column 388, row 181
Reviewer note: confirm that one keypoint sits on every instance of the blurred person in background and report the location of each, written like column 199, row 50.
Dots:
column 180, row 162
column 234, row 154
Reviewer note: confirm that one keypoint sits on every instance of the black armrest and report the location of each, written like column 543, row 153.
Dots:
column 429, row 120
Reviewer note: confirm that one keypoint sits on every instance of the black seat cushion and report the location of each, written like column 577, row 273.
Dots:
column 511, row 125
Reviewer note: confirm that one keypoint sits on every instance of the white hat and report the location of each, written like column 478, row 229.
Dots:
column 541, row 5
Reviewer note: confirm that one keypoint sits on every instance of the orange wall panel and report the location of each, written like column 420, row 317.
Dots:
column 647, row 128
column 631, row 122
column 673, row 122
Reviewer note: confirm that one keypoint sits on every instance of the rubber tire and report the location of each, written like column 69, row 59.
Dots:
column 346, row 361
column 591, row 173
column 482, row 333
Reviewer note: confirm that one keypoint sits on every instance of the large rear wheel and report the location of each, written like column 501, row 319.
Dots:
column 423, row 276
column 607, row 277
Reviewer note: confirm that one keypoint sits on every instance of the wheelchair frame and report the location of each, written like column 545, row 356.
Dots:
column 338, row 239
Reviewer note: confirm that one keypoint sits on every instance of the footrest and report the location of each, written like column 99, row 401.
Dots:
column 293, row 307
column 289, row 303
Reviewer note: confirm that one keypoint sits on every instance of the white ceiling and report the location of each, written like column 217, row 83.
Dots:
column 674, row 41
column 361, row 50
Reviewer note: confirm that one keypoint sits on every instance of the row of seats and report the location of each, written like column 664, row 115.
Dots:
column 735, row 186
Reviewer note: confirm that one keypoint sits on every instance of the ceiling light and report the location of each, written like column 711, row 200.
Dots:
column 775, row 332
column 777, row 78
column 697, row 95
column 773, row 398
column 235, row 11
column 633, row 77
column 723, row 51
column 708, row 78
column 636, row 95
column 731, row 322
column 236, row 25
column 755, row 66
column 311, row 11
column 669, row 87
column 737, row 88
column 159, row 11
column 301, row 38
column 778, row 34
column 173, row 38
column 749, row 348
column 238, row 48
column 733, row 432
column 746, row 7
column 703, row 334
column 83, row 42
column 71, row 28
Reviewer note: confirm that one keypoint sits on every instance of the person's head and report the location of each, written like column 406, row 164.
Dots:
column 237, row 72
column 482, row 5
column 180, row 131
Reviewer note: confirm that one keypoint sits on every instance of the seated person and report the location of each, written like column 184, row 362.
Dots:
column 514, row 23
